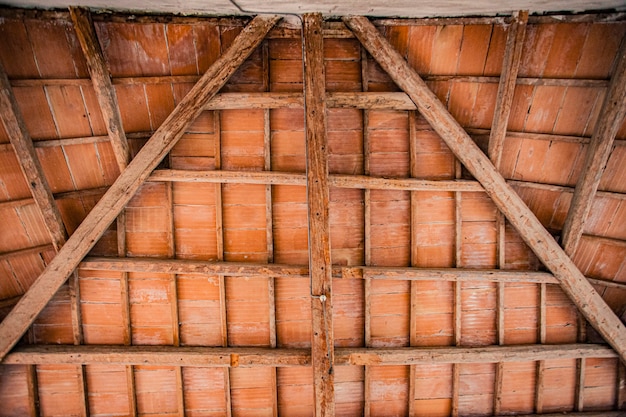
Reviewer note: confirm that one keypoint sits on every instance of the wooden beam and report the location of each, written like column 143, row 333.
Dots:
column 506, row 88
column 573, row 282
column 194, row 356
column 101, row 80
column 336, row 180
column 157, row 356
column 29, row 162
column 612, row 116
column 236, row 269
column 459, row 355
column 322, row 343
column 112, row 203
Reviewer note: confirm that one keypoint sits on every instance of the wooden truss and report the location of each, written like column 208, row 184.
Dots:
column 322, row 356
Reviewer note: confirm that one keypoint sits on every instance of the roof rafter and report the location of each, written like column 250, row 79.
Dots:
column 29, row 162
column 506, row 88
column 512, row 206
column 101, row 80
column 112, row 203
column 322, row 343
column 612, row 115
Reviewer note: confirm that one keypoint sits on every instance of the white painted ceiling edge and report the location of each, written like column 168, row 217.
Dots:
column 396, row 8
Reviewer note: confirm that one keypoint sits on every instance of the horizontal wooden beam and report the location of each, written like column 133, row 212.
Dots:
column 156, row 356
column 487, row 354
column 235, row 269
column 332, row 27
column 254, row 357
column 192, row 267
column 340, row 181
column 572, row 281
column 186, row 79
column 112, row 203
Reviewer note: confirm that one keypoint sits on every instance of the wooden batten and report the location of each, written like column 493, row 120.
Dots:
column 595, row 309
column 112, row 203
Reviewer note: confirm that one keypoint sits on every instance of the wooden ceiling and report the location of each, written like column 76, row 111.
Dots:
column 236, row 216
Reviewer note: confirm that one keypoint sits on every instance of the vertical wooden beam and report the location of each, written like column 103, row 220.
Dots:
column 219, row 236
column 506, row 87
column 504, row 100
column 319, row 229
column 33, row 391
column 573, row 282
column 111, row 204
column 101, row 80
column 29, row 163
column 367, row 245
column 579, row 399
column 269, row 223
column 457, row 304
column 171, row 254
column 541, row 365
column 125, row 304
column 612, row 116
column 413, row 241
column 620, row 395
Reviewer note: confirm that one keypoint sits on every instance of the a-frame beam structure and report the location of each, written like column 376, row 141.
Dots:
column 510, row 204
column 611, row 118
column 322, row 349
column 127, row 184
column 101, row 80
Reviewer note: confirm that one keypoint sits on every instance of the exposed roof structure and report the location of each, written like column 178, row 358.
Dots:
column 214, row 216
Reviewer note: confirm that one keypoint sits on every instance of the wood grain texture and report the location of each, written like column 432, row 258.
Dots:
column 29, row 163
column 506, row 88
column 281, row 357
column 322, row 343
column 611, row 119
column 101, row 80
column 112, row 203
column 521, row 217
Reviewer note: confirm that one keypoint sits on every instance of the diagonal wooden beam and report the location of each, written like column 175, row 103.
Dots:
column 612, row 116
column 322, row 349
column 101, row 80
column 118, row 195
column 29, row 163
column 506, row 88
column 572, row 281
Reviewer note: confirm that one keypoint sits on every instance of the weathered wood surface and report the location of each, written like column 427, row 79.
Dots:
column 101, row 80
column 611, row 119
column 112, row 203
column 322, row 343
column 29, row 162
column 235, row 269
column 573, row 282
column 246, row 357
column 506, row 87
